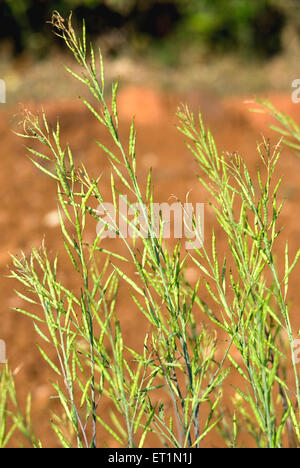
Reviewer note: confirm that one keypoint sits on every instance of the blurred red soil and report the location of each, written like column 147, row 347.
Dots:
column 28, row 204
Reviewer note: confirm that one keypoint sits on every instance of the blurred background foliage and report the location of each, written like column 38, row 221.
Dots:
column 251, row 28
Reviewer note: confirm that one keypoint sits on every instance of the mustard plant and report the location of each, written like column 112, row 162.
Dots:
column 248, row 297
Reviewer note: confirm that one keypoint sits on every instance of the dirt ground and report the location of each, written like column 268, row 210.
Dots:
column 28, row 204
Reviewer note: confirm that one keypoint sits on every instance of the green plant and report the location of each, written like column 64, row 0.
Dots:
column 93, row 365
column 289, row 130
column 11, row 417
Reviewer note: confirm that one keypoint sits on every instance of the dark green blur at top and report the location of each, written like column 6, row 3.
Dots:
column 251, row 28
